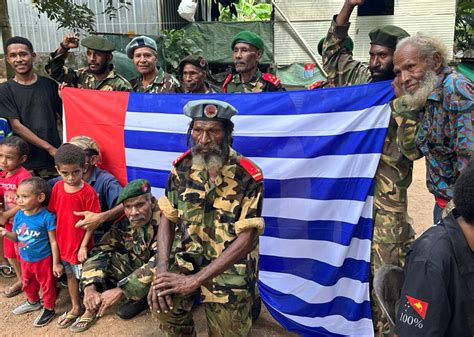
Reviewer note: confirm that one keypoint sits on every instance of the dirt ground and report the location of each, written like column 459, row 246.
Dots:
column 420, row 209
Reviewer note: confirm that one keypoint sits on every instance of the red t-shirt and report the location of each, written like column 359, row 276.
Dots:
column 69, row 237
column 8, row 187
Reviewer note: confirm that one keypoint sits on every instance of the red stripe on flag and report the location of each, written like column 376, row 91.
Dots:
column 100, row 115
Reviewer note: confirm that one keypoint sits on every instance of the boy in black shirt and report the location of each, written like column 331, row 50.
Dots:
column 437, row 298
column 32, row 105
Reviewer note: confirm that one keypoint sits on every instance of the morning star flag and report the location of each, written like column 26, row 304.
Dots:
column 318, row 151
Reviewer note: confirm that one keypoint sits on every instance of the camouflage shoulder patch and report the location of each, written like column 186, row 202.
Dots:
column 271, row 78
column 177, row 160
column 226, row 81
column 250, row 167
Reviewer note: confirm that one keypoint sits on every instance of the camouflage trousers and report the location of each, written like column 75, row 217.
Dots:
column 230, row 320
column 392, row 237
column 106, row 268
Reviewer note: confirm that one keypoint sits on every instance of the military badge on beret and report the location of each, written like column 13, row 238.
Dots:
column 210, row 111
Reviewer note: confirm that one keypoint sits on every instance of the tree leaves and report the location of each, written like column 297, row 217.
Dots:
column 77, row 17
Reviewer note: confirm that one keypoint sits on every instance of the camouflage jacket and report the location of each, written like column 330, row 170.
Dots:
column 210, row 216
column 163, row 82
column 210, row 89
column 260, row 82
column 394, row 173
column 83, row 78
column 139, row 247
column 341, row 68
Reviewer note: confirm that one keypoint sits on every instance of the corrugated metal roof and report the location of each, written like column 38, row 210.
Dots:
column 312, row 20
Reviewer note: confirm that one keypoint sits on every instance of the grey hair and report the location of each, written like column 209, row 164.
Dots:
column 427, row 46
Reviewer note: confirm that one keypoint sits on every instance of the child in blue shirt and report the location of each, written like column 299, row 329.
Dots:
column 34, row 229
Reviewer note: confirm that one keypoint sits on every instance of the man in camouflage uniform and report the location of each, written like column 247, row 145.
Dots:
column 247, row 50
column 392, row 232
column 341, row 68
column 121, row 263
column 143, row 52
column 99, row 73
column 193, row 72
column 214, row 198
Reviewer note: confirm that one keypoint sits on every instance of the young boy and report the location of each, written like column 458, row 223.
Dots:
column 70, row 195
column 105, row 184
column 34, row 230
column 13, row 153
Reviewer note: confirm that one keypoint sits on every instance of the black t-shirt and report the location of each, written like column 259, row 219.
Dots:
column 37, row 107
column 437, row 298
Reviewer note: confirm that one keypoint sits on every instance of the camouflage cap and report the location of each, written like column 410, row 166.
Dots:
column 209, row 110
column 85, row 143
column 197, row 61
column 346, row 43
column 98, row 43
column 134, row 189
column 387, row 36
column 248, row 37
column 138, row 42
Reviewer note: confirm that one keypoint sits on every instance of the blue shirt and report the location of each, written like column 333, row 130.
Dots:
column 32, row 232
column 105, row 184
column 5, row 129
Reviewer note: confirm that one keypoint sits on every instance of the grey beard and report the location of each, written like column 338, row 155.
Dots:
column 418, row 99
column 213, row 160
column 210, row 162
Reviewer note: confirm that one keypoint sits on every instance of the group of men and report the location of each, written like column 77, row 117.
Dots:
column 211, row 211
column 432, row 116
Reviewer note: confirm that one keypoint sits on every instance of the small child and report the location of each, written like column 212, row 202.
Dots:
column 72, row 194
column 34, row 229
column 13, row 153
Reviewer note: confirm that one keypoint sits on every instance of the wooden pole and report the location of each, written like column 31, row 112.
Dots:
column 6, row 33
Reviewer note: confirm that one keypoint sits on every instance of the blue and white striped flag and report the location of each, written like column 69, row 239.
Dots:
column 319, row 151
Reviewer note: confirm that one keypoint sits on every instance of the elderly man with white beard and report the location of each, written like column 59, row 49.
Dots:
column 428, row 89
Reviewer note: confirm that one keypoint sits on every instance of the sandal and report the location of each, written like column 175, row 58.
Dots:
column 90, row 321
column 7, row 271
column 66, row 320
column 11, row 293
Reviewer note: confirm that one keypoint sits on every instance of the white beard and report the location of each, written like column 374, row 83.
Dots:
column 418, row 99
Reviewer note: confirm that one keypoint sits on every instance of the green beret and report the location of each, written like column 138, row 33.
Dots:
column 209, row 110
column 134, row 189
column 138, row 42
column 248, row 37
column 98, row 43
column 346, row 43
column 387, row 36
column 197, row 61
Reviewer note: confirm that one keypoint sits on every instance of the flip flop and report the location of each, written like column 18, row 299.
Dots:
column 66, row 320
column 9, row 273
column 90, row 321
column 9, row 293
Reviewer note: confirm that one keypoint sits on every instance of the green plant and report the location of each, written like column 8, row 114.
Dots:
column 248, row 10
column 179, row 43
column 76, row 17
column 464, row 31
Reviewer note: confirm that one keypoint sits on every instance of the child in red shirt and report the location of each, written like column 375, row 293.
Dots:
column 34, row 231
column 13, row 153
column 70, row 195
